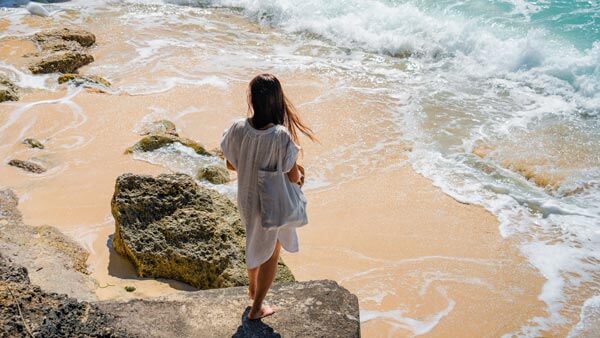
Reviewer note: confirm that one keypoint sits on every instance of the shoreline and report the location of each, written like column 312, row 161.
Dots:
column 432, row 264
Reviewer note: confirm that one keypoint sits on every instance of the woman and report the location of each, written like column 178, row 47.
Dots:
column 253, row 144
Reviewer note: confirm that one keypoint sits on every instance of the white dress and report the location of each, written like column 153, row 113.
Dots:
column 250, row 150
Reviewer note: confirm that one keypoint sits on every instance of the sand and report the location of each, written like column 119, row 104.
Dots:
column 419, row 261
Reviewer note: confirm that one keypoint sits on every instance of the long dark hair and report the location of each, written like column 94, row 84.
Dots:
column 267, row 104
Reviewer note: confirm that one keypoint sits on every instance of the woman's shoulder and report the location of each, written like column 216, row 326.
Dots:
column 236, row 125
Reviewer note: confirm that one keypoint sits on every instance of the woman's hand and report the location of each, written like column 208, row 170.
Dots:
column 296, row 175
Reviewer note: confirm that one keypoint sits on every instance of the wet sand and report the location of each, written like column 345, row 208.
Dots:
column 419, row 261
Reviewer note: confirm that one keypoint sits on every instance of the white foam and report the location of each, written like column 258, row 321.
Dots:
column 589, row 318
column 417, row 327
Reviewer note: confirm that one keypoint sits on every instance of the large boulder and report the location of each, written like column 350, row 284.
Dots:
column 307, row 309
column 8, row 90
column 169, row 227
column 61, row 62
column 28, row 311
column 156, row 141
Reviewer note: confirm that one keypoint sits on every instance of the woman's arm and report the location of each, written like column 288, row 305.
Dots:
column 295, row 175
column 230, row 166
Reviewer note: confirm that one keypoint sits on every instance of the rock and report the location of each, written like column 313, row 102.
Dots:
column 169, row 227
column 55, row 262
column 64, row 39
column 43, row 314
column 215, row 174
column 218, row 152
column 83, row 80
column 307, row 309
column 155, row 141
column 159, row 127
column 32, row 167
column 482, row 149
column 61, row 62
column 33, row 143
column 8, row 90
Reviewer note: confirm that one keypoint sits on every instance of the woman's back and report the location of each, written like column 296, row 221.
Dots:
column 249, row 150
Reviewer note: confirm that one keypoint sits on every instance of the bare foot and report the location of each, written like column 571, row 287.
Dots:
column 251, row 293
column 263, row 312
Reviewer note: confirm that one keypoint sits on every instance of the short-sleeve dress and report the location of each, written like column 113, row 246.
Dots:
column 249, row 150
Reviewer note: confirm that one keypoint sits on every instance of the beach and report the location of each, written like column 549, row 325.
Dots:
column 433, row 241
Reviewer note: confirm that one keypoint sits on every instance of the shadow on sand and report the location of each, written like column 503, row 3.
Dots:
column 254, row 328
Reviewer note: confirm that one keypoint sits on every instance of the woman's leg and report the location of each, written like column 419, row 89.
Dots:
column 266, row 275
column 252, row 275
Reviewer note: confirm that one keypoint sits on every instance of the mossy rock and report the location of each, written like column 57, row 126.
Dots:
column 215, row 174
column 170, row 227
column 156, row 141
column 33, row 143
column 160, row 127
column 8, row 90
column 29, row 166
column 83, row 80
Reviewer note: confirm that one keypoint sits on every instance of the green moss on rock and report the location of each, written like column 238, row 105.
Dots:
column 215, row 174
column 83, row 80
column 61, row 62
column 33, row 143
column 156, row 141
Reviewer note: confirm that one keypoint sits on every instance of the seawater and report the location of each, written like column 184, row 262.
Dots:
column 499, row 99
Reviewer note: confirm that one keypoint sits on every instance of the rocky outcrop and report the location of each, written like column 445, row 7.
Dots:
column 29, row 166
column 83, row 80
column 170, row 227
column 306, row 309
column 28, row 311
column 8, row 90
column 61, row 62
column 63, row 50
column 156, row 141
column 215, row 174
column 33, row 143
column 54, row 261
column 160, row 127
column 39, row 297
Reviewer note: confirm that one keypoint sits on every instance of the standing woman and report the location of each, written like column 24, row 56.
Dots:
column 254, row 144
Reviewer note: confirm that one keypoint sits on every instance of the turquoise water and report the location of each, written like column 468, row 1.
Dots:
column 522, row 77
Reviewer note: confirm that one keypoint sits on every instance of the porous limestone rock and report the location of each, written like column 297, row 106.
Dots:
column 28, row 311
column 170, row 227
column 61, row 62
column 319, row 308
column 64, row 39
